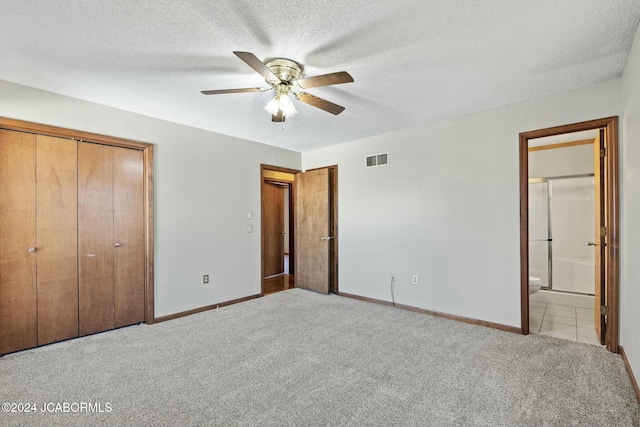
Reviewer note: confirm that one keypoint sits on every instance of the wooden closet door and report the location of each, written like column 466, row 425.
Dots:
column 95, row 237
column 129, row 250
column 18, row 317
column 57, row 230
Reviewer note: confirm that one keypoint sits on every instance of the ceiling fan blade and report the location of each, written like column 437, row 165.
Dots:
column 323, row 104
column 253, row 62
column 325, row 80
column 278, row 117
column 220, row 91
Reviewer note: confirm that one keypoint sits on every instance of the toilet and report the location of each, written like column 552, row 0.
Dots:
column 534, row 284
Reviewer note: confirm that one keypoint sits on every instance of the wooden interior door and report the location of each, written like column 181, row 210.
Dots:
column 273, row 232
column 95, row 237
column 128, row 238
column 57, row 230
column 312, row 230
column 599, row 240
column 18, row 316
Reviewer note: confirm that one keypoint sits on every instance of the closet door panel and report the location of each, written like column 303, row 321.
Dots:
column 57, row 230
column 18, row 317
column 128, row 199
column 95, row 237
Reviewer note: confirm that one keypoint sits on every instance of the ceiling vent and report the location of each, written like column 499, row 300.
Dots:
column 378, row 160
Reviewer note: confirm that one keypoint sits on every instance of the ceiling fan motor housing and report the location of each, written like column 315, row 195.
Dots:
column 284, row 69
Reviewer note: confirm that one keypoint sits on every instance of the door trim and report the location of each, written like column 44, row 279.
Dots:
column 333, row 230
column 147, row 149
column 292, row 249
column 611, row 220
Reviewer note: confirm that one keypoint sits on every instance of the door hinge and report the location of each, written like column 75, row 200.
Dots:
column 603, row 152
column 603, row 310
column 603, row 231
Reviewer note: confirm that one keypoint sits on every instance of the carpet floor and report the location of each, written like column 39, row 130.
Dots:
column 297, row 358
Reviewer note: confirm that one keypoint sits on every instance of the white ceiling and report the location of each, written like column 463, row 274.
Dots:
column 413, row 61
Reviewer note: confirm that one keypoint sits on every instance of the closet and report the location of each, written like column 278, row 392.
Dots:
column 110, row 237
column 73, row 241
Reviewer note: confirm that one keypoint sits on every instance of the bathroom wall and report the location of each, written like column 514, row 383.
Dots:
column 575, row 160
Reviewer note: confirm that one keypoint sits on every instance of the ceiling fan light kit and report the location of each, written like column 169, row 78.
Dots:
column 282, row 103
column 284, row 76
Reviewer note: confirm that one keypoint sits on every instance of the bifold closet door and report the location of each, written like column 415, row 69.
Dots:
column 128, row 222
column 110, row 237
column 57, row 230
column 38, row 250
column 18, row 316
column 95, row 237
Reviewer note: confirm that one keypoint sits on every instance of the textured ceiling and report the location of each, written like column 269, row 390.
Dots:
column 413, row 61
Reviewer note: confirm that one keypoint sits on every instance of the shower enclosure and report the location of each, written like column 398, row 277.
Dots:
column 561, row 223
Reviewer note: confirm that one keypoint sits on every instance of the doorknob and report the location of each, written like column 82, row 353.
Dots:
column 326, row 238
column 31, row 250
column 592, row 244
column 117, row 245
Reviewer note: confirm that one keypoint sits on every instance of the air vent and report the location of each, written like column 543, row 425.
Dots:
column 377, row 160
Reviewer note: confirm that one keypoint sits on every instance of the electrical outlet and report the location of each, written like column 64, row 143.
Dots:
column 249, row 214
column 205, row 279
column 415, row 279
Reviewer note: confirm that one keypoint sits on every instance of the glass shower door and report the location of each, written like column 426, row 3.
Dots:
column 540, row 232
column 572, row 210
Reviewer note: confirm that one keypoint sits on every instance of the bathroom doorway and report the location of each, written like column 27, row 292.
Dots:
column 568, row 183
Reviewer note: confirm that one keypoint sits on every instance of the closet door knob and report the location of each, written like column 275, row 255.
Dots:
column 117, row 245
column 31, row 250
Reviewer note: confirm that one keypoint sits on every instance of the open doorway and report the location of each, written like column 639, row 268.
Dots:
column 299, row 229
column 278, row 244
column 554, row 257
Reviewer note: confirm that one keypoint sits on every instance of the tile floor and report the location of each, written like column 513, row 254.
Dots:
column 562, row 321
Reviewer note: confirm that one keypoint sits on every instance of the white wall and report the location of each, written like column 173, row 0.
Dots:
column 630, row 210
column 204, row 185
column 446, row 207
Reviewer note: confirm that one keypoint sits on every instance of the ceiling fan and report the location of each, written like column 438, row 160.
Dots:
column 284, row 76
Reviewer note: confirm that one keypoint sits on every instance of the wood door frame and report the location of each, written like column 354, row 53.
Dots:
column 333, row 230
column 292, row 249
column 271, row 213
column 147, row 149
column 611, row 220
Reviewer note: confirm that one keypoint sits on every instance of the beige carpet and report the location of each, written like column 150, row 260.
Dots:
column 297, row 358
